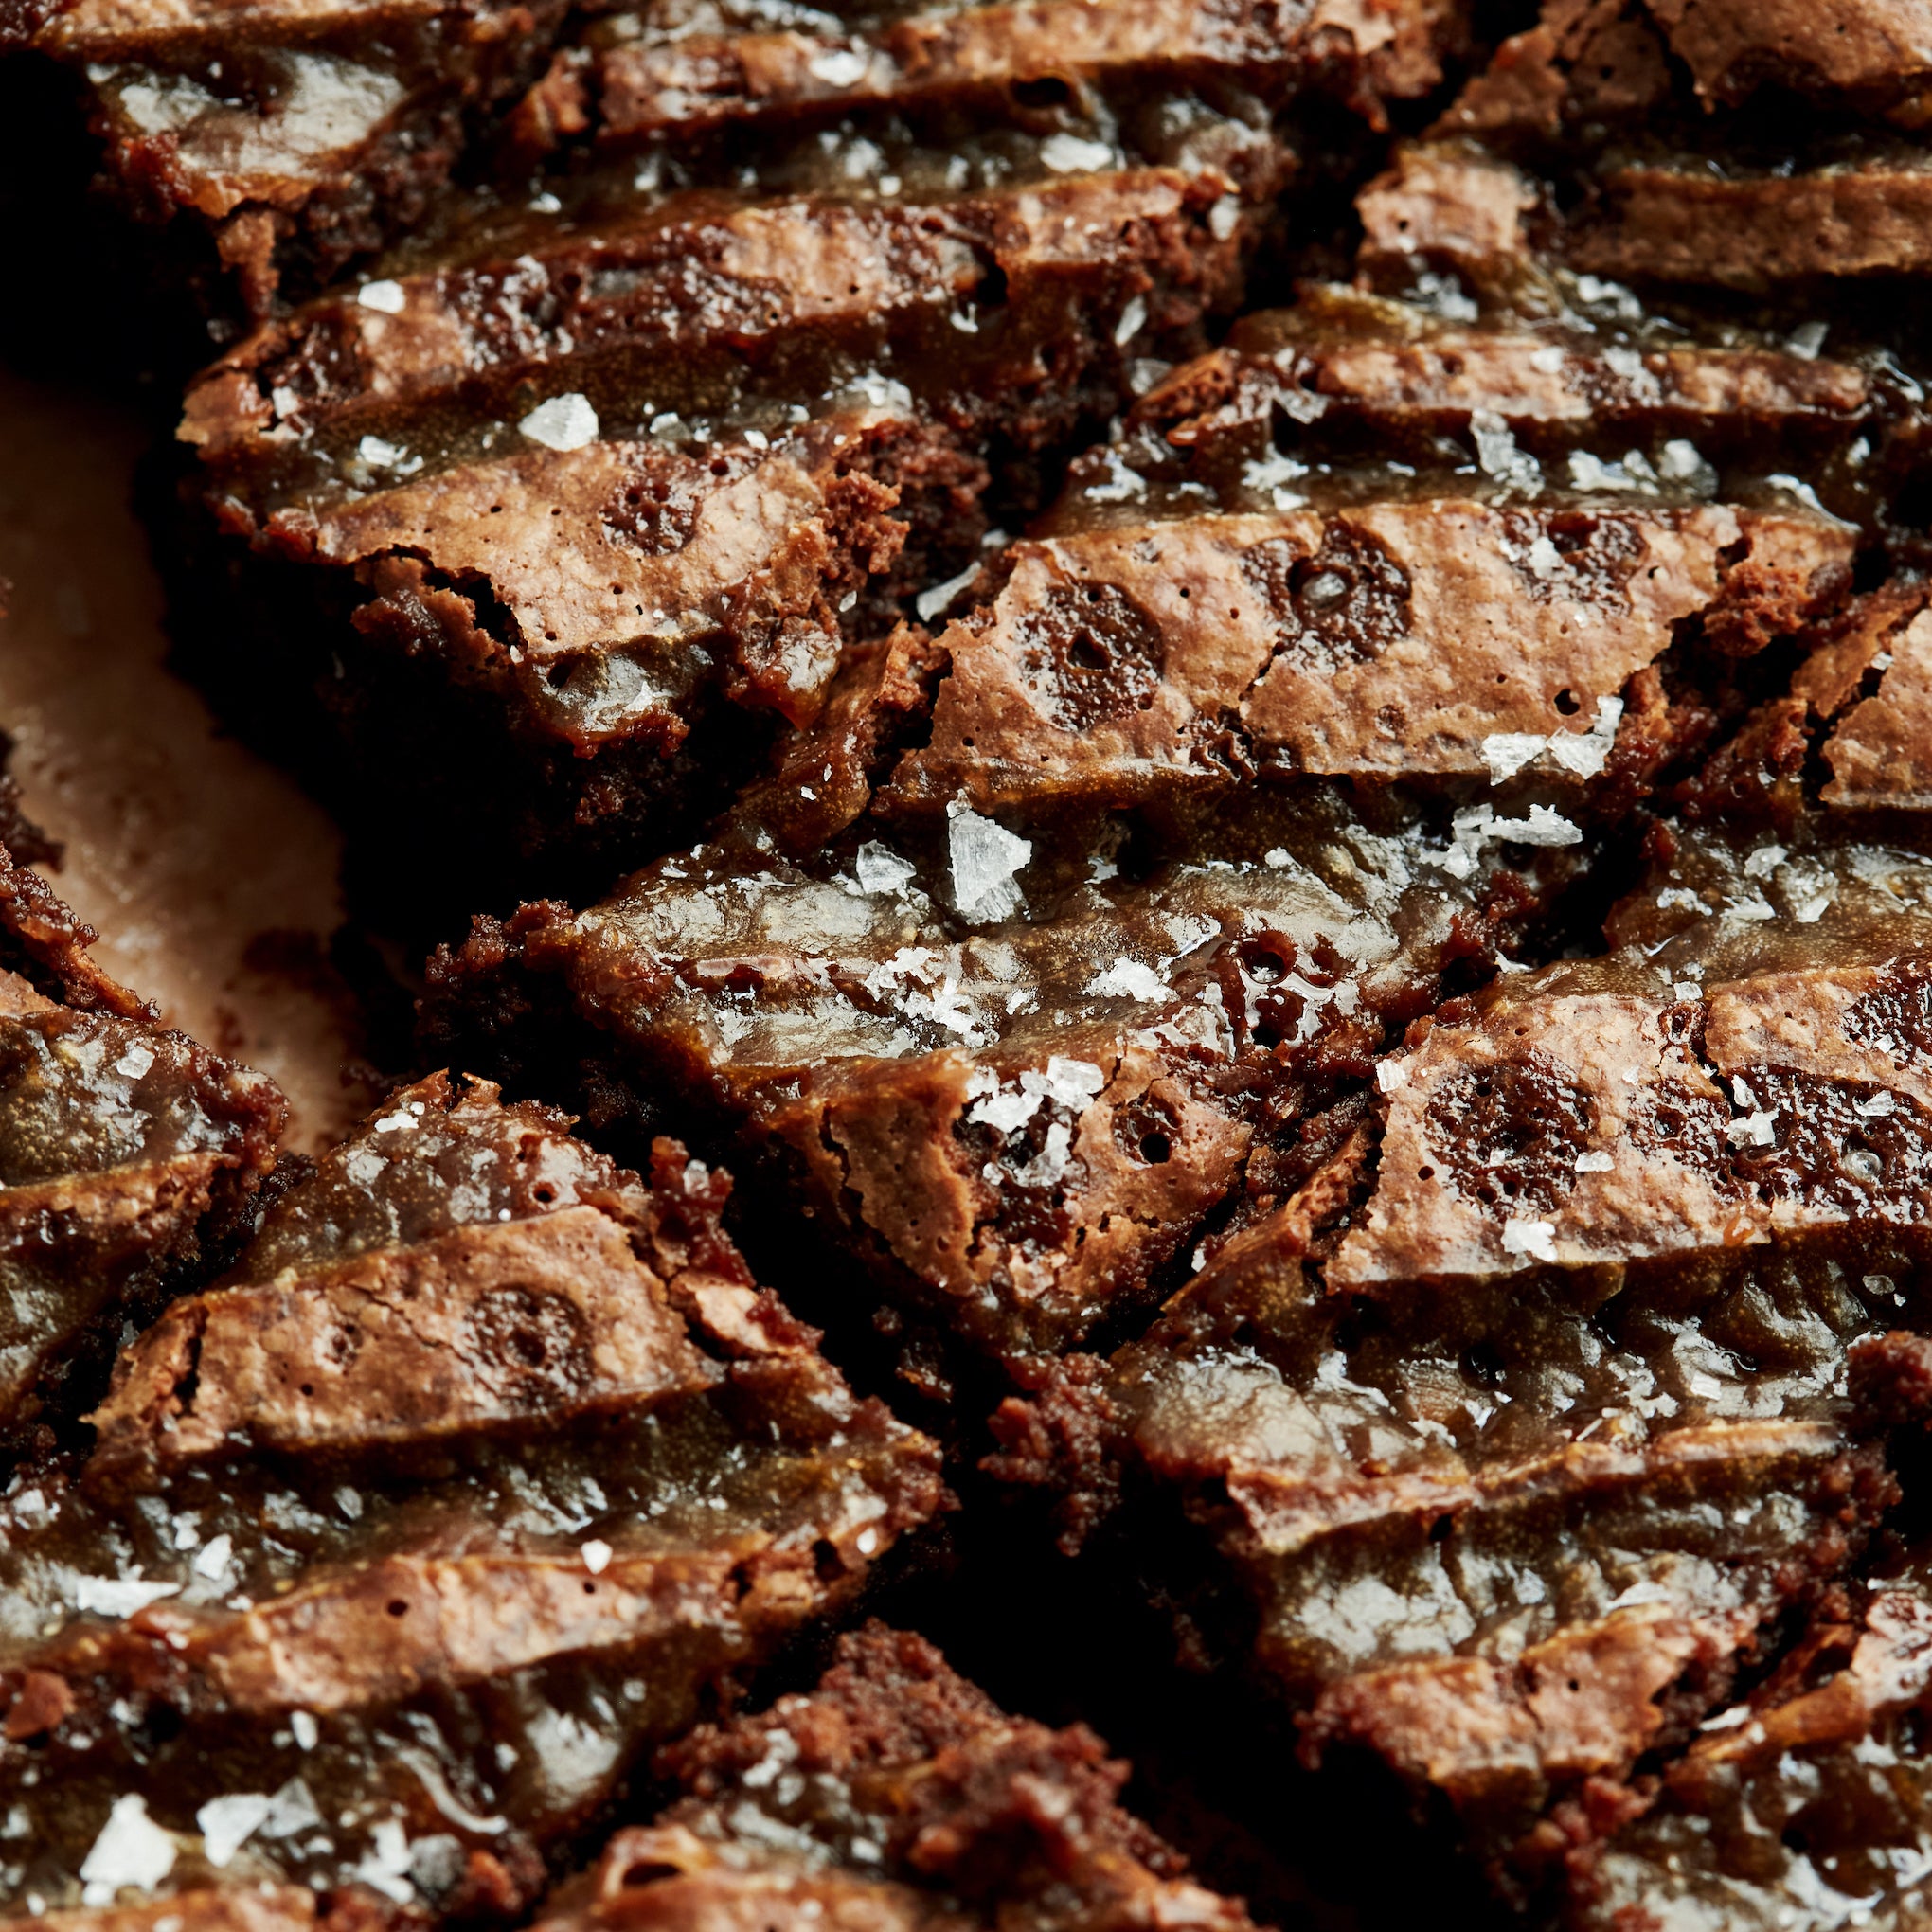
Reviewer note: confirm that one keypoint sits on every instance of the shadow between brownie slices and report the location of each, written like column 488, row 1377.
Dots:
column 486, row 1466
column 1522, row 1437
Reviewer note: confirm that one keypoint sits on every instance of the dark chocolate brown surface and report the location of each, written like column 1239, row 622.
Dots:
column 1239, row 698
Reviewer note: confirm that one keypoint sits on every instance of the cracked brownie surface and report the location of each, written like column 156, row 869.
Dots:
column 1238, row 697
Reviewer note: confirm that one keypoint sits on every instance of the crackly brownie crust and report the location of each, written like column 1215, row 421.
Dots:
column 1817, row 1780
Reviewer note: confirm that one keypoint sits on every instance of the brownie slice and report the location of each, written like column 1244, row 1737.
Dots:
column 1521, row 1432
column 1337, row 393
column 1808, row 1804
column 1366, row 541
column 1015, row 1075
column 561, row 478
column 896, row 1795
column 486, row 1466
column 1732, row 146
column 635, row 78
column 267, row 151
column 130, row 1158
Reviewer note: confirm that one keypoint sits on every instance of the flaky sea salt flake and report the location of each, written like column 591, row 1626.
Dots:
column 933, row 601
column 1129, row 979
column 1507, row 752
column 119, row 1596
column 1535, row 1239
column 838, row 67
column 984, row 856
column 564, row 422
column 228, row 1823
column 1069, row 154
column 130, row 1851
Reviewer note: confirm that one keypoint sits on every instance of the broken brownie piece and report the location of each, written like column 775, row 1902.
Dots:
column 1014, row 1075
column 1806, row 1805
column 270, row 150
column 1519, row 1433
column 599, row 494
column 130, row 1157
column 895, row 1794
column 485, row 1466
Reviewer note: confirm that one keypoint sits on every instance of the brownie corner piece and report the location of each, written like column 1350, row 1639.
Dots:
column 892, row 1791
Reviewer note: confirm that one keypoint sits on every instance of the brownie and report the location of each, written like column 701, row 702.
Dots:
column 1352, row 386
column 1437, row 549
column 1015, row 1076
column 629, row 82
column 1503, row 1449
column 263, row 152
column 130, row 1159
column 893, row 1794
column 1804, row 1804
column 486, row 1466
column 1367, row 581
column 599, row 491
column 1732, row 146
